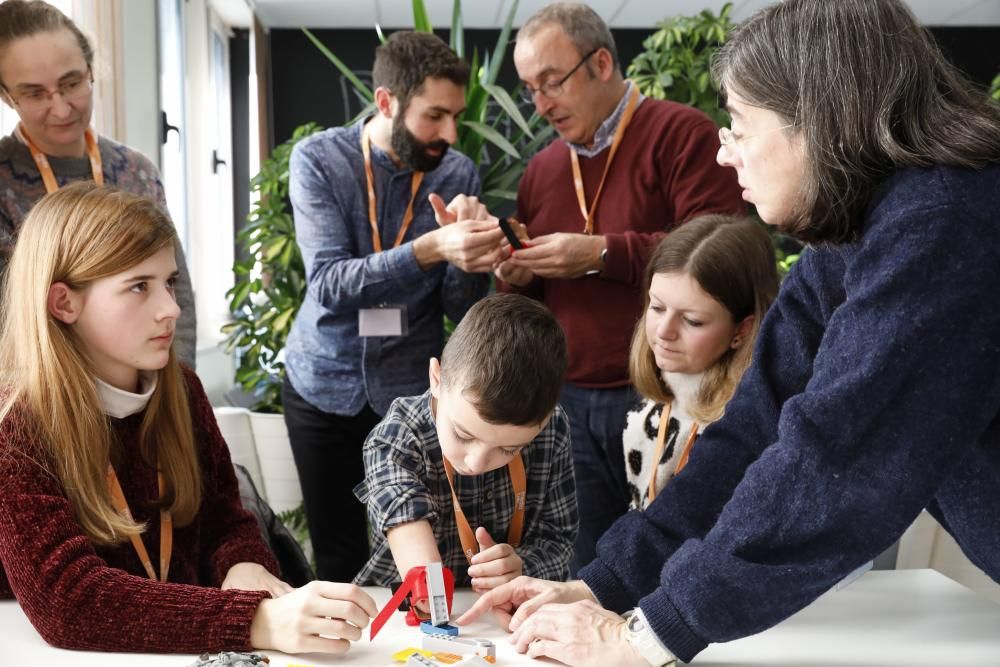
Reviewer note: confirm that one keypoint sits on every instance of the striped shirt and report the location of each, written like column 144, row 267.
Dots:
column 405, row 481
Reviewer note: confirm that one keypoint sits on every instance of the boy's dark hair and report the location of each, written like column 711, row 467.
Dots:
column 408, row 58
column 508, row 358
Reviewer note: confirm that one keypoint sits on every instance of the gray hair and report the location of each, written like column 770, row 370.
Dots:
column 585, row 28
column 869, row 91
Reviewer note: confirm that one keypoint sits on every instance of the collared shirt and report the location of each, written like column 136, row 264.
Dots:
column 328, row 363
column 405, row 481
column 606, row 132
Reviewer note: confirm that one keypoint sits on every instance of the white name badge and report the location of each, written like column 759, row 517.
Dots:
column 383, row 321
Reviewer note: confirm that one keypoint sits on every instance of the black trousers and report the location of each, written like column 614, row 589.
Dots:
column 327, row 450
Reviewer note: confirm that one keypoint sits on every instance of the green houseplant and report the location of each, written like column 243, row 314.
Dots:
column 480, row 134
column 995, row 88
column 270, row 282
column 676, row 61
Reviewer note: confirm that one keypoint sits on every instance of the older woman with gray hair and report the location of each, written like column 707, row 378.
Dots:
column 875, row 387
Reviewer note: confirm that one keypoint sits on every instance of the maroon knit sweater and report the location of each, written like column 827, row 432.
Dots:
column 81, row 597
column 663, row 174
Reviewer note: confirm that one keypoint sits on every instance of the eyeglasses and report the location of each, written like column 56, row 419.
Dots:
column 71, row 89
column 553, row 89
column 728, row 139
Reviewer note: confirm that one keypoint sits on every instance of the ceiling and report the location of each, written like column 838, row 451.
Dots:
column 618, row 13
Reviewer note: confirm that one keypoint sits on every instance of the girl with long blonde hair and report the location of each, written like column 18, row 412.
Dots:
column 708, row 285
column 121, row 527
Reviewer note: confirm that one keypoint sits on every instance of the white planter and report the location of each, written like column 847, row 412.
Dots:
column 277, row 467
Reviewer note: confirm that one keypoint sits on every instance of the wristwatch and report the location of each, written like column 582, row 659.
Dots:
column 645, row 642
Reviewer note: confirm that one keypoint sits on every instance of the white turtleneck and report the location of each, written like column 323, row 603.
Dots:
column 119, row 403
column 639, row 437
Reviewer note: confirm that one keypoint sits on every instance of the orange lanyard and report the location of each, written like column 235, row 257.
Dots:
column 581, row 197
column 45, row 169
column 661, row 439
column 469, row 544
column 416, row 179
column 166, row 526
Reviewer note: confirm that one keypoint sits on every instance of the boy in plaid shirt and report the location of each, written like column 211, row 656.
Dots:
column 492, row 399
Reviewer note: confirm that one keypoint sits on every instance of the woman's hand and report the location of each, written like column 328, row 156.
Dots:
column 295, row 622
column 495, row 564
column 581, row 634
column 254, row 577
column 516, row 600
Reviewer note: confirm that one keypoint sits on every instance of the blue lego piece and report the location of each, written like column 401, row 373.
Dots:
column 443, row 629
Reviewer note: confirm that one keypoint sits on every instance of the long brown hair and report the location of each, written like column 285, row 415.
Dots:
column 77, row 235
column 732, row 260
column 23, row 18
column 869, row 92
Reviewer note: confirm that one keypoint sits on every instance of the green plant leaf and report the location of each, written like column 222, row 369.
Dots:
column 493, row 137
column 500, row 50
column 506, row 103
column 344, row 69
column 457, row 29
column 421, row 23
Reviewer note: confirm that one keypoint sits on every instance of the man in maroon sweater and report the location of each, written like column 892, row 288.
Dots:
column 642, row 167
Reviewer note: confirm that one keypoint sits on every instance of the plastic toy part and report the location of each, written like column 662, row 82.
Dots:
column 475, row 661
column 231, row 659
column 443, row 629
column 402, row 656
column 459, row 645
column 437, row 598
column 417, row 660
column 416, row 586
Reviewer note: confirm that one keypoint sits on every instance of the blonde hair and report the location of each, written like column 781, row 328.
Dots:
column 732, row 260
column 77, row 235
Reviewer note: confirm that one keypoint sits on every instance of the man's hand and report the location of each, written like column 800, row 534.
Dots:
column 462, row 207
column 254, row 577
column 560, row 255
column 471, row 245
column 495, row 564
column 294, row 622
column 513, row 275
column 581, row 634
column 516, row 600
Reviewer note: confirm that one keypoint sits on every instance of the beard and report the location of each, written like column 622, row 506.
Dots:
column 411, row 151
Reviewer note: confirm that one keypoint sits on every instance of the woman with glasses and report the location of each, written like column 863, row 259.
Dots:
column 874, row 392
column 47, row 78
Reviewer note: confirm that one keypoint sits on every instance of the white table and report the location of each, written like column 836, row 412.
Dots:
column 906, row 618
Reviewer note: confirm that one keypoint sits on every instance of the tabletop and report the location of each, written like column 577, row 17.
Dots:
column 901, row 618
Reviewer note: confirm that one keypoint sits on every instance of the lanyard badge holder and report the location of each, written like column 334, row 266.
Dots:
column 386, row 319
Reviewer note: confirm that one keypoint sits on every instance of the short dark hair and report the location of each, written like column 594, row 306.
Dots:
column 869, row 92
column 508, row 358
column 584, row 27
column 24, row 18
column 409, row 58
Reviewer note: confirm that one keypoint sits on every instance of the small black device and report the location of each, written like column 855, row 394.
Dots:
column 508, row 231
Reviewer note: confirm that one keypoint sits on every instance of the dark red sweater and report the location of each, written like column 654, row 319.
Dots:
column 663, row 174
column 81, row 597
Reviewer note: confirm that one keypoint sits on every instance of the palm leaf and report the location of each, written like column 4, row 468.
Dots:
column 344, row 69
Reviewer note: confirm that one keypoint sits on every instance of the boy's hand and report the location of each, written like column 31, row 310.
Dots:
column 495, row 564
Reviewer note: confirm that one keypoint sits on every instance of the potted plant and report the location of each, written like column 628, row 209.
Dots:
column 270, row 286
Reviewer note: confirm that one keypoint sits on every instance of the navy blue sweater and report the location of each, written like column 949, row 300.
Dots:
column 874, row 393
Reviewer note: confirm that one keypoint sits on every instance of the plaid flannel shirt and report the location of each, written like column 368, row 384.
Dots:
column 405, row 481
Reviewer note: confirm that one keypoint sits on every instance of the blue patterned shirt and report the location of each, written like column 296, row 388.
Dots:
column 328, row 363
column 405, row 481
